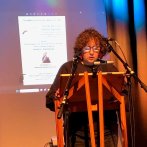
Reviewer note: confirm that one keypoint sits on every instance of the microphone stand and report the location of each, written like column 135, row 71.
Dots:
column 128, row 69
column 64, row 104
column 129, row 73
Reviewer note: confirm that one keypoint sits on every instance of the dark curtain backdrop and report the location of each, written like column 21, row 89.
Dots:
column 127, row 24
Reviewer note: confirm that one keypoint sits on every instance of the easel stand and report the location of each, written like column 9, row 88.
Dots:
column 100, row 90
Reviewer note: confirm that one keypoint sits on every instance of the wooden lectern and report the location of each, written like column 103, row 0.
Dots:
column 89, row 93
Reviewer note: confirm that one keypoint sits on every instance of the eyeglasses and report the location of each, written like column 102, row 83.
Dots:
column 87, row 49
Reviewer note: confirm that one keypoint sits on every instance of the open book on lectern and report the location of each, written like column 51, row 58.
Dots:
column 77, row 90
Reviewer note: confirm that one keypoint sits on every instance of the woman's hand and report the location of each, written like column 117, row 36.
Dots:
column 57, row 94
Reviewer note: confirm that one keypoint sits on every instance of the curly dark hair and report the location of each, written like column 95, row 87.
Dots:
column 84, row 37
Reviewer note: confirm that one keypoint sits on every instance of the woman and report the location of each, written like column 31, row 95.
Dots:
column 89, row 46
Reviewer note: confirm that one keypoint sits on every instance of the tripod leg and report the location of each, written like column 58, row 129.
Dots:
column 66, row 128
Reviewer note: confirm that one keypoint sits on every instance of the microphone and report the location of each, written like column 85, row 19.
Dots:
column 106, row 46
column 76, row 59
column 100, row 61
column 108, row 39
column 77, row 54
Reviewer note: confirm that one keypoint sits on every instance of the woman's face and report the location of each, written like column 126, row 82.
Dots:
column 90, row 52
